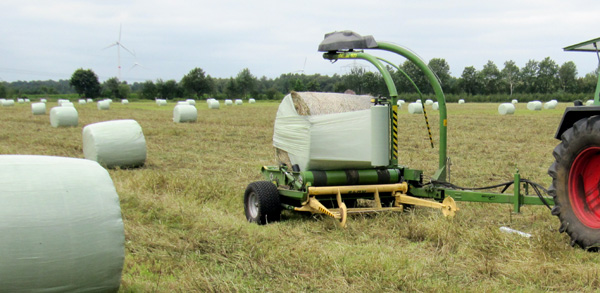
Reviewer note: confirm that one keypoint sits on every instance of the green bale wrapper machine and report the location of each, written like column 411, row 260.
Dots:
column 574, row 194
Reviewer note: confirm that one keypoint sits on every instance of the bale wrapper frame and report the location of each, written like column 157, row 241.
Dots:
column 574, row 192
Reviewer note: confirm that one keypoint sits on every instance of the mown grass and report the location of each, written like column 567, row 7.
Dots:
column 186, row 231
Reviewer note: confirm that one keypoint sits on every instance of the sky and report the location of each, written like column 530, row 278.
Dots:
column 49, row 40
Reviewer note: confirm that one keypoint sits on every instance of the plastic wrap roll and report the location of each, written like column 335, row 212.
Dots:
column 43, row 100
column 61, row 101
column 415, row 108
column 506, row 108
column 185, row 113
column 435, row 106
column 428, row 102
column 116, row 143
column 228, row 102
column 550, row 104
column 251, row 101
column 214, row 104
column 400, row 102
column 191, row 101
column 27, row 101
column 183, row 103
column 89, row 100
column 161, row 102
column 67, row 104
column 82, row 102
column 380, row 144
column 124, row 101
column 514, row 102
column 61, row 226
column 38, row 108
column 238, row 102
column 589, row 103
column 461, row 101
column 63, row 116
column 21, row 101
column 103, row 105
column 534, row 106
column 8, row 103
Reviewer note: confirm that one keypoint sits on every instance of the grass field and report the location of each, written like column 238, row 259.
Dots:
column 185, row 227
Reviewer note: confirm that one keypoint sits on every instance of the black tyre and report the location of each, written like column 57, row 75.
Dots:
column 261, row 203
column 576, row 183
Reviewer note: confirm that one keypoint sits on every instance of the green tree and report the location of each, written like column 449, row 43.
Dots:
column 510, row 75
column 197, row 83
column 547, row 76
column 470, row 81
column 149, row 90
column 299, row 86
column 440, row 67
column 246, row 82
column 529, row 74
column 313, row 86
column 168, row 89
column 3, row 91
column 490, row 75
column 567, row 76
column 231, row 88
column 85, row 83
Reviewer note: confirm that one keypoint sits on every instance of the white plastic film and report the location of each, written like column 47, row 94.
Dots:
column 185, row 113
column 415, row 108
column 82, row 102
column 43, row 100
column 63, row 116
column 103, row 105
column 534, row 106
column 161, row 102
column 251, row 101
column 214, row 104
column 89, row 100
column 514, row 101
column 38, row 108
column 461, row 101
column 550, row 104
column 589, row 103
column 8, row 103
column 116, row 143
column 506, row 109
column 228, row 102
column 191, row 101
column 428, row 102
column 183, row 103
column 60, row 225
column 435, row 106
column 67, row 104
column 380, row 138
column 124, row 102
column 21, row 101
column 239, row 102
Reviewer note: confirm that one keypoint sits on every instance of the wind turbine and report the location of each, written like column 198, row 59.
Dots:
column 119, row 46
column 301, row 70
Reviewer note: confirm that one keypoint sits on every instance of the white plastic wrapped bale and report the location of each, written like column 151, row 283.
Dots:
column 125, row 102
column 21, row 101
column 116, row 143
column 238, row 102
column 185, row 113
column 415, row 108
column 400, row 102
column 61, row 226
column 324, row 131
column 428, row 102
column 506, row 109
column 251, row 101
column 8, row 103
column 89, row 100
column 214, row 104
column 161, row 102
column 435, row 106
column 63, row 116
column 27, row 101
column 228, row 102
column 103, row 105
column 514, row 101
column 191, row 101
column 461, row 101
column 589, row 103
column 61, row 101
column 43, row 100
column 38, row 108
column 550, row 104
column 67, row 104
column 534, row 106
column 82, row 102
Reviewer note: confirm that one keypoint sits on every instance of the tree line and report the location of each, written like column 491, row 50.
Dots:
column 543, row 77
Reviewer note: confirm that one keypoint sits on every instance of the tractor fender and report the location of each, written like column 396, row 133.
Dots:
column 574, row 114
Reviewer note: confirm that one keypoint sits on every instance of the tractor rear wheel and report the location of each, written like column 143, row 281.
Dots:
column 261, row 203
column 576, row 183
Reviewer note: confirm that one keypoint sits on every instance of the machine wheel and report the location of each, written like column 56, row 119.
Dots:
column 261, row 203
column 576, row 183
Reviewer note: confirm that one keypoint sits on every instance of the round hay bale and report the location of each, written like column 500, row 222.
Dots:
column 506, row 109
column 514, row 102
column 67, row 104
column 61, row 101
column 400, row 102
column 238, row 102
column 415, row 108
column 63, row 116
column 21, row 101
column 161, row 102
column 61, row 226
column 183, row 103
column 89, row 100
column 191, row 101
column 461, row 101
column 185, row 113
column 125, row 102
column 435, row 106
column 214, row 104
column 82, row 102
column 550, row 104
column 209, row 100
column 43, row 100
column 251, row 101
column 38, row 108
column 116, row 143
column 589, row 103
column 228, row 102
column 534, row 106
column 8, row 103
column 27, row 101
column 428, row 102
column 103, row 105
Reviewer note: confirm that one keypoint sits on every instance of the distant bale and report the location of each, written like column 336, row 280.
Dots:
column 116, row 143
column 534, row 106
column 400, row 102
column 8, row 103
column 550, row 104
column 435, row 106
column 461, row 101
column 214, row 104
column 228, row 102
column 191, row 101
column 67, row 104
column 428, row 102
column 38, row 108
column 238, row 102
column 415, row 108
column 21, row 101
column 82, row 102
column 185, row 113
column 89, row 100
column 506, row 109
column 161, row 102
column 514, row 102
column 103, row 105
column 251, row 101
column 27, row 101
column 43, row 100
column 63, row 116
column 183, row 103
column 61, row 101
column 589, row 103
column 125, row 102
column 61, row 228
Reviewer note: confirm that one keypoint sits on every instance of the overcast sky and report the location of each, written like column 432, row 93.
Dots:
column 43, row 40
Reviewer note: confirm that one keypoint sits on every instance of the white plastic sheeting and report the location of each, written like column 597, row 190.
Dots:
column 428, row 102
column 185, row 113
column 61, row 226
column 161, row 102
column 183, row 103
column 228, row 102
column 514, row 101
column 124, row 101
column 550, row 104
column 461, row 101
column 67, row 104
column 8, row 103
column 191, row 101
column 213, row 104
column 333, row 132
column 589, row 103
column 103, row 105
column 82, row 102
column 116, row 143
column 63, row 116
column 380, row 146
column 435, row 106
column 238, row 102
column 251, row 101
column 415, row 108
column 506, row 109
column 21, row 101
column 534, row 106
column 89, row 100
column 38, row 108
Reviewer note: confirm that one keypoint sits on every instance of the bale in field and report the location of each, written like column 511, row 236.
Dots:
column 228, row 102
column 534, row 105
column 8, row 103
column 38, row 108
column 117, row 143
column 124, row 102
column 61, row 226
column 214, row 104
column 67, row 104
column 238, row 102
column 185, row 113
column 461, row 101
column 550, row 104
column 103, row 105
column 63, row 116
column 415, row 108
column 191, row 102
column 251, row 101
column 506, row 109
column 435, row 106
column 82, row 102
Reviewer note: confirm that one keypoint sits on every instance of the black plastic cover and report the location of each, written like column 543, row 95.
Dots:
column 346, row 40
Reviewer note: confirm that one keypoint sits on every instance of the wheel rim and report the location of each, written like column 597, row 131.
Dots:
column 253, row 204
column 584, row 187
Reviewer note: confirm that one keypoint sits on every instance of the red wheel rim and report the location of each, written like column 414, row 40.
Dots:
column 584, row 187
